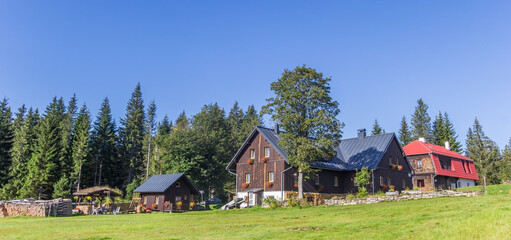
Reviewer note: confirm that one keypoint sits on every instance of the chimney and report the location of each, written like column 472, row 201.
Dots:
column 422, row 139
column 361, row 133
column 277, row 128
column 447, row 145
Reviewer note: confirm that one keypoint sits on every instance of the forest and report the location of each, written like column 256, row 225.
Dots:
column 52, row 153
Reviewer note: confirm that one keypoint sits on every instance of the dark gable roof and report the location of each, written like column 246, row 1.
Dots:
column 160, row 183
column 352, row 153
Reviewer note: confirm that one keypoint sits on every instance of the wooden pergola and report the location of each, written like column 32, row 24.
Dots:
column 98, row 192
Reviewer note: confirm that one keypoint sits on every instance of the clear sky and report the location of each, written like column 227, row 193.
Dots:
column 381, row 55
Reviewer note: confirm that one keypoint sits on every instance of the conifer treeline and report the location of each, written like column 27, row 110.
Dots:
column 50, row 154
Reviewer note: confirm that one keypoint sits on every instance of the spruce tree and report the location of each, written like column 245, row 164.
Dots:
column 421, row 122
column 165, row 126
column 106, row 167
column 484, row 152
column 377, row 130
column 182, row 122
column 251, row 120
column 505, row 166
column 150, row 128
column 156, row 162
column 235, row 123
column 132, row 135
column 6, row 140
column 24, row 148
column 439, row 133
column 404, row 133
column 80, row 142
column 451, row 135
column 45, row 164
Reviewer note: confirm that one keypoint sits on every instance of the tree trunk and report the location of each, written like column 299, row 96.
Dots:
column 300, row 184
column 148, row 156
column 79, row 178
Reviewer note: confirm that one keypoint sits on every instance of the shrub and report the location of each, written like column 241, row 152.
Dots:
column 272, row 202
column 293, row 202
column 130, row 188
column 362, row 192
column 350, row 196
column 379, row 193
column 362, row 179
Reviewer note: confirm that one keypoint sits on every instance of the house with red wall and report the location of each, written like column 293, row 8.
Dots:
column 437, row 167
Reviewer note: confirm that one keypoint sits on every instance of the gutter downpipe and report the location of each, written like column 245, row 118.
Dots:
column 236, row 196
column 372, row 176
column 282, row 183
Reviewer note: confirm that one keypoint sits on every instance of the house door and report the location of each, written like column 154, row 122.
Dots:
column 453, row 185
column 251, row 199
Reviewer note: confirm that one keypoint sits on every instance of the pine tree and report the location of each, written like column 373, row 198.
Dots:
column 451, row 135
column 235, row 123
column 150, row 127
column 404, row 133
column 377, row 130
column 421, row 122
column 49, row 154
column 80, row 144
column 132, row 135
column 6, row 141
column 505, row 166
column 61, row 188
column 164, row 127
column 439, row 133
column 67, row 138
column 24, row 149
column 106, row 168
column 484, row 152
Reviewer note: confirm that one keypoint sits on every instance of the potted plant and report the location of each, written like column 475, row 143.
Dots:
column 399, row 167
column 155, row 206
column 296, row 185
column 393, row 166
column 179, row 204
column 89, row 198
column 245, row 185
column 76, row 198
column 264, row 159
column 385, row 187
column 166, row 204
column 392, row 188
column 250, row 161
column 268, row 184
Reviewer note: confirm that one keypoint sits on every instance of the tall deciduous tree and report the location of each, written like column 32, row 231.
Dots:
column 80, row 145
column 150, row 128
column 377, row 130
column 132, row 135
column 484, row 152
column 421, row 122
column 106, row 167
column 404, row 133
column 303, row 106
column 6, row 138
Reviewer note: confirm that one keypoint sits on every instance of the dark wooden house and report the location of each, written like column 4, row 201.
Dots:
column 262, row 169
column 165, row 191
column 439, row 168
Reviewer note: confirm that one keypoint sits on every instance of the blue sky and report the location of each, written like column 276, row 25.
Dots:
column 381, row 55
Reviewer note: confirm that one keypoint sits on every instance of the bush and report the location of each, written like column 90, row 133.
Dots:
column 272, row 202
column 61, row 188
column 362, row 192
column 350, row 196
column 130, row 188
column 380, row 193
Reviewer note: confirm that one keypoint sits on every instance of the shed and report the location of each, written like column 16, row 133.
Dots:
column 163, row 192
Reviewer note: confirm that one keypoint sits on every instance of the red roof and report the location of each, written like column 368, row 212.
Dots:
column 417, row 147
column 461, row 169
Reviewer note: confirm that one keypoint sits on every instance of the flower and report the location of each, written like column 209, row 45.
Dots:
column 264, row 159
column 192, row 204
column 245, row 185
column 385, row 187
column 75, row 197
column 399, row 167
column 296, row 185
column 118, row 199
column 154, row 205
column 88, row 197
column 268, row 184
column 392, row 187
column 179, row 203
column 166, row 203
column 250, row 161
column 393, row 166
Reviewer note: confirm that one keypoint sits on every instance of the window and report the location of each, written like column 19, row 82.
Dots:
column 469, row 169
column 381, row 181
column 445, row 162
column 419, row 164
column 156, row 200
column 178, row 198
column 464, row 166
column 317, row 180
column 388, row 181
column 145, row 200
column 252, row 153
column 336, row 181
column 270, row 176
column 186, row 197
column 266, row 152
column 468, row 184
column 178, row 184
column 390, row 160
column 247, row 177
column 420, row 182
column 404, row 183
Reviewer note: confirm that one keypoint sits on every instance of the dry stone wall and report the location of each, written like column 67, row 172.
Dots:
column 399, row 197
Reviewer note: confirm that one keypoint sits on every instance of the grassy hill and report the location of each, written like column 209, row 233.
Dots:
column 485, row 217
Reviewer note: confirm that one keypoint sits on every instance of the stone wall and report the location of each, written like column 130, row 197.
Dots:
column 399, row 197
column 56, row 207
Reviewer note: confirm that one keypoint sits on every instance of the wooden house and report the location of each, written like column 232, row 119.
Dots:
column 262, row 169
column 163, row 192
column 438, row 167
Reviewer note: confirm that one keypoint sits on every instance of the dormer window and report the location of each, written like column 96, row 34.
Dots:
column 266, row 152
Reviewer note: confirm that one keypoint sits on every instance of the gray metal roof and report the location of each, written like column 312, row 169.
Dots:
column 352, row 153
column 160, row 183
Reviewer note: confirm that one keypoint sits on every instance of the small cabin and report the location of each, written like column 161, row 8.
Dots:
column 163, row 192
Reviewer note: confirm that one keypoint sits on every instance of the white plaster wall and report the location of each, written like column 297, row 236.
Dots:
column 467, row 182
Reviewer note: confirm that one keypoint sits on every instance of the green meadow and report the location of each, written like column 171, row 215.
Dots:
column 484, row 217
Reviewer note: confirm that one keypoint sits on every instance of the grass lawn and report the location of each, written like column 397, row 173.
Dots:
column 485, row 217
